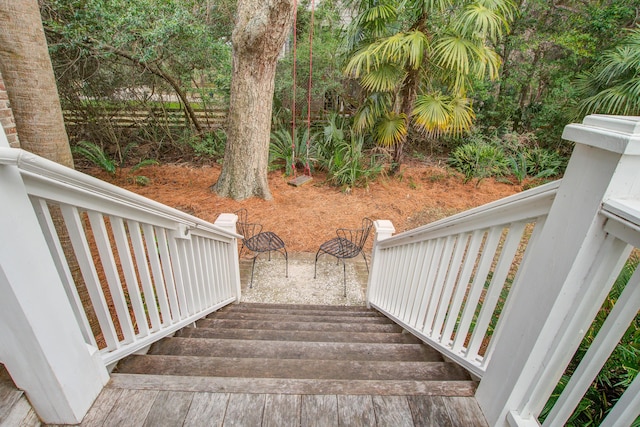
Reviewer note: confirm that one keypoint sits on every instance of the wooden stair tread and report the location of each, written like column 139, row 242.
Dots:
column 303, row 318
column 295, row 310
column 291, row 368
column 303, row 307
column 291, row 386
column 318, row 336
column 295, row 350
column 298, row 326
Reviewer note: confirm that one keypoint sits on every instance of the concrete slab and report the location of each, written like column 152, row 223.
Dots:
column 271, row 286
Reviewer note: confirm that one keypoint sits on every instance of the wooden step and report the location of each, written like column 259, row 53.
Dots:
column 295, row 350
column 297, row 310
column 290, row 368
column 298, row 326
column 292, row 386
column 288, row 317
column 302, row 307
column 316, row 336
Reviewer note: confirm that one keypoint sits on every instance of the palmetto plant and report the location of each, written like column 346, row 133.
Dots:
column 281, row 149
column 613, row 85
column 416, row 60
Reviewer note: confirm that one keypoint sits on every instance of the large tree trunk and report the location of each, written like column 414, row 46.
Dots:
column 28, row 74
column 259, row 34
column 31, row 85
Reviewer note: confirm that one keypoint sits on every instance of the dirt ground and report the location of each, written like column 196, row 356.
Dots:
column 306, row 216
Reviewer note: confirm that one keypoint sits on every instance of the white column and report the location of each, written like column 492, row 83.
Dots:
column 605, row 164
column 228, row 222
column 384, row 229
column 40, row 341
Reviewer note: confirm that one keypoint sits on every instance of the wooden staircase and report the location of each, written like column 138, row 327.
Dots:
column 287, row 349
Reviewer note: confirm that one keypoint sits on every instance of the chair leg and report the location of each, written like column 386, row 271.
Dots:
column 286, row 262
column 253, row 265
column 315, row 265
column 365, row 260
column 344, row 274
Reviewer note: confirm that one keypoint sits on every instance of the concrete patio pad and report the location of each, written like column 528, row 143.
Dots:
column 271, row 286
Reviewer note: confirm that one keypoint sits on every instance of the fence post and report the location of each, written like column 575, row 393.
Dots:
column 228, row 222
column 42, row 345
column 384, row 230
column 539, row 331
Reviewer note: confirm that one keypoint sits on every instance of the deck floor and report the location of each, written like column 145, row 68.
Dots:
column 120, row 407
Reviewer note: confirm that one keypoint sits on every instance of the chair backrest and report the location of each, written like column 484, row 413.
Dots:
column 357, row 236
column 244, row 227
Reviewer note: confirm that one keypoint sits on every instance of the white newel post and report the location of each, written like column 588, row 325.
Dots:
column 40, row 341
column 538, row 332
column 228, row 222
column 384, row 229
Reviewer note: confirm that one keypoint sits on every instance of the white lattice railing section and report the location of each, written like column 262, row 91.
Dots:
column 149, row 269
column 622, row 229
column 446, row 281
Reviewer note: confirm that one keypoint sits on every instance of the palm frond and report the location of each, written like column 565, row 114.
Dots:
column 620, row 99
column 381, row 12
column 462, row 116
column 505, row 8
column 617, row 63
column 455, row 54
column 479, row 20
column 488, row 63
column 370, row 111
column 390, row 129
column 385, row 78
column 362, row 62
column 430, row 6
column 613, row 85
column 432, row 113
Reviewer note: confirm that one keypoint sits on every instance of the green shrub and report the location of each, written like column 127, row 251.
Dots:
column 543, row 163
column 479, row 160
column 96, row 155
column 348, row 166
column 210, row 145
column 281, row 151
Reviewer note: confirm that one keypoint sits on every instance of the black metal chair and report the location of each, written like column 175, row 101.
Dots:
column 258, row 241
column 348, row 244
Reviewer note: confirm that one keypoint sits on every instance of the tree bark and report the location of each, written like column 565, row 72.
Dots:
column 258, row 37
column 408, row 95
column 28, row 74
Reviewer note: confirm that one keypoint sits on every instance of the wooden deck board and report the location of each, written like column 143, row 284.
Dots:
column 464, row 411
column 21, row 414
column 356, row 411
column 244, row 409
column 392, row 411
column 429, row 411
column 169, row 409
column 131, row 408
column 101, row 407
column 282, row 410
column 207, row 409
column 319, row 410
column 135, row 408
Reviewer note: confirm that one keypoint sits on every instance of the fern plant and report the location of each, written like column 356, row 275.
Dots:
column 96, row 155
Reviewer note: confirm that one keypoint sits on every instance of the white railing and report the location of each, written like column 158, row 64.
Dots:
column 622, row 227
column 446, row 281
column 148, row 269
column 508, row 290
